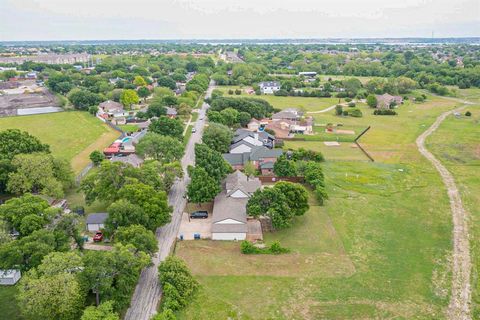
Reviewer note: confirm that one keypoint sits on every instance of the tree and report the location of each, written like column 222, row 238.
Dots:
column 155, row 110
column 15, row 210
column 165, row 149
column 284, row 167
column 217, row 137
column 138, row 236
column 123, row 213
column 166, row 314
column 338, row 110
column 60, row 262
column 167, row 82
column 230, row 116
column 28, row 252
column 139, row 81
column 178, row 283
column 297, row 196
column 104, row 311
column 14, row 141
column 273, row 203
column 352, row 85
column 202, row 187
column 167, row 127
column 128, row 98
column 249, row 169
column 372, row 101
column 50, row 297
column 97, row 157
column 154, row 203
column 31, row 223
column 39, row 173
column 143, row 92
column 83, row 99
column 244, row 118
column 212, row 161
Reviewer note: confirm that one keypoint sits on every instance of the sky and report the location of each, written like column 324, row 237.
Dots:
column 235, row 19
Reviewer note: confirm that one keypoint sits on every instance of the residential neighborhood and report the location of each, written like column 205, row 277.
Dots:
column 213, row 160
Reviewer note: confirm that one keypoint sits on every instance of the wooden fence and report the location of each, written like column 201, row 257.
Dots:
column 273, row 179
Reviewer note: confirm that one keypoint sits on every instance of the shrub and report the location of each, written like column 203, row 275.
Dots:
column 357, row 113
column 230, row 91
column 345, row 113
column 348, row 99
column 351, row 104
column 247, row 247
column 385, row 112
column 238, row 92
column 468, row 114
column 338, row 110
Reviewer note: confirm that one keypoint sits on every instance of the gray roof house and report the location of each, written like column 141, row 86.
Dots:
column 229, row 218
column 288, row 114
column 171, row 112
column 96, row 221
column 258, row 155
column 269, row 87
column 267, row 139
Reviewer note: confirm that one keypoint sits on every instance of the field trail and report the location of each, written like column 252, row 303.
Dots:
column 459, row 306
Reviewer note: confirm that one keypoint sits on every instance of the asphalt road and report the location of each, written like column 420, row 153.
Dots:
column 148, row 292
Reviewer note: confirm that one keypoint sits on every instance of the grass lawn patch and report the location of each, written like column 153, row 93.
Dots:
column 71, row 135
column 128, row 127
column 8, row 304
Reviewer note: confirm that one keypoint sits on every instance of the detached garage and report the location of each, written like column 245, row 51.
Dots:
column 229, row 231
column 9, row 277
column 96, row 221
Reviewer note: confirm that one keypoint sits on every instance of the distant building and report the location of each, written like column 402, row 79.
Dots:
column 171, row 112
column 386, row 101
column 288, row 114
column 269, row 87
column 111, row 107
column 308, row 74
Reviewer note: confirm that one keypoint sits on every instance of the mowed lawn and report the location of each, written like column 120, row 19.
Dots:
column 71, row 135
column 456, row 143
column 386, row 230
column 305, row 104
column 8, row 304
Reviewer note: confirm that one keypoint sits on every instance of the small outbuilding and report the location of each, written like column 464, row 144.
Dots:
column 9, row 277
column 96, row 221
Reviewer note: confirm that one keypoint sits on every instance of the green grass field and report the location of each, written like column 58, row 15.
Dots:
column 306, row 104
column 71, row 135
column 8, row 305
column 456, row 144
column 378, row 249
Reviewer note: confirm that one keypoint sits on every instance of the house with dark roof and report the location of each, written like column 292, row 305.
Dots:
column 229, row 218
column 250, row 139
column 96, row 221
column 261, row 157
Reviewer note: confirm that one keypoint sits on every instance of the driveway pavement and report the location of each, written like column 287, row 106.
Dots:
column 189, row 227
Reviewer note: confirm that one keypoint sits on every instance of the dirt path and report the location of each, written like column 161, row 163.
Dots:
column 459, row 306
column 344, row 104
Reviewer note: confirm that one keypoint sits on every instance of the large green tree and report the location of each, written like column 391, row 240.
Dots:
column 162, row 148
column 128, row 98
column 14, row 141
column 212, row 161
column 273, row 203
column 39, row 173
column 104, row 312
column 138, row 236
column 167, row 127
column 202, row 187
column 218, row 137
column 52, row 297
column 296, row 195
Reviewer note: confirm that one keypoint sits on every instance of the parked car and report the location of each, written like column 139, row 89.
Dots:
column 194, row 130
column 98, row 236
column 199, row 215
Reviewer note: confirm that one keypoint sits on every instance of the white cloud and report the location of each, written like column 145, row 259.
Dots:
column 171, row 19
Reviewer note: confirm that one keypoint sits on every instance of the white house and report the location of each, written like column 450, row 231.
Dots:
column 96, row 221
column 229, row 218
column 269, row 87
column 9, row 277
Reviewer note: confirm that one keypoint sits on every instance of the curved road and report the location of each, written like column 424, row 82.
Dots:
column 148, row 292
column 459, row 306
